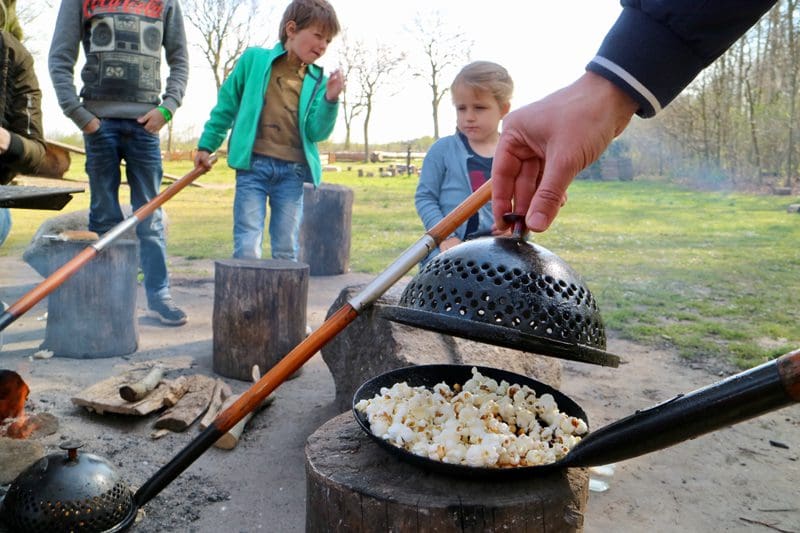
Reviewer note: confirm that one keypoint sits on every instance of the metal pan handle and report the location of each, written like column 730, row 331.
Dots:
column 742, row 396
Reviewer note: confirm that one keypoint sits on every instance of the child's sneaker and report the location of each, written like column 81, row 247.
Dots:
column 167, row 312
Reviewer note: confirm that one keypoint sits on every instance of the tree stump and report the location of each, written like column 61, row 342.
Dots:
column 354, row 485
column 325, row 231
column 259, row 313
column 93, row 313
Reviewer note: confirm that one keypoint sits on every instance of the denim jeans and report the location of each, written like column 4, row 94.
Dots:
column 281, row 182
column 5, row 224
column 125, row 139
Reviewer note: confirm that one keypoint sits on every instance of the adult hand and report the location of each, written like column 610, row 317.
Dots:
column 545, row 144
column 152, row 121
column 335, row 86
column 202, row 159
column 92, row 126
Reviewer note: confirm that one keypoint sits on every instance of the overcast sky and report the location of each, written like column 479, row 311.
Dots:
column 544, row 44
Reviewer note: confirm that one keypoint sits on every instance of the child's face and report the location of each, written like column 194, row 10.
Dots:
column 478, row 114
column 308, row 44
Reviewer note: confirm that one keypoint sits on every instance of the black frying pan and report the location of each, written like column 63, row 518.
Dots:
column 742, row 396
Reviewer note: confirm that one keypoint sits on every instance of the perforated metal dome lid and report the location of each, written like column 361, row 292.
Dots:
column 67, row 493
column 509, row 292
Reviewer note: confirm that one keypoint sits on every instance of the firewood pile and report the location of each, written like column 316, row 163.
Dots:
column 180, row 402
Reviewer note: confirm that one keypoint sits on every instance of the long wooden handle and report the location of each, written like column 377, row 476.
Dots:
column 291, row 362
column 78, row 150
column 54, row 280
column 461, row 214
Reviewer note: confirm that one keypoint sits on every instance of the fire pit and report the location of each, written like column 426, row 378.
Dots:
column 13, row 394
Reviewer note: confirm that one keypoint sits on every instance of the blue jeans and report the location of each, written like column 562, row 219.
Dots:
column 281, row 182
column 5, row 224
column 125, row 139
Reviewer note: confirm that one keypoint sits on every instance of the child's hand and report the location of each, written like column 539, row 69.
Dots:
column 335, row 86
column 202, row 159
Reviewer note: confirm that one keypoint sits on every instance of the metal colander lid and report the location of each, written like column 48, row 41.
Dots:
column 68, row 493
column 509, row 292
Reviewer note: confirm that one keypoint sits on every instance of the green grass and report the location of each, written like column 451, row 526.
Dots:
column 710, row 274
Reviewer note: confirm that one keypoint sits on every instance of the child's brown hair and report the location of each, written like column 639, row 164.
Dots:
column 307, row 13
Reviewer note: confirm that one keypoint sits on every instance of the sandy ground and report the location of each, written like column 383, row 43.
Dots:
column 742, row 478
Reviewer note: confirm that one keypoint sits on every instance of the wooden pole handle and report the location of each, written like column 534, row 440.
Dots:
column 54, row 280
column 460, row 214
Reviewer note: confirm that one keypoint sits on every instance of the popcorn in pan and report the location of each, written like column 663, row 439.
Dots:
column 482, row 423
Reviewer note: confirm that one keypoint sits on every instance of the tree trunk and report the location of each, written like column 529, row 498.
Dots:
column 354, row 485
column 259, row 313
column 326, row 229
column 93, row 314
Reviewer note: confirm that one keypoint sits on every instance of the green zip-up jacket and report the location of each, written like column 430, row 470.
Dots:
column 241, row 99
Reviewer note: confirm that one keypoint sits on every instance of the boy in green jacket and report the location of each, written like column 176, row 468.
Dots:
column 278, row 104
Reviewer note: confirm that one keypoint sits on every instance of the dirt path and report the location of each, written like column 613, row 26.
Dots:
column 742, row 478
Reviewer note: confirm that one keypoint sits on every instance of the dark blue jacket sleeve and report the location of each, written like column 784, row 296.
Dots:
column 657, row 47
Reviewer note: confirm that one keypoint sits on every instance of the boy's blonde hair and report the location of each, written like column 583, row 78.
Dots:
column 307, row 13
column 486, row 76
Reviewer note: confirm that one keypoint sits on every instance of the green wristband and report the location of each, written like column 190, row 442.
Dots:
column 165, row 112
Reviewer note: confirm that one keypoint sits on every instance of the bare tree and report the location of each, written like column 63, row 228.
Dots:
column 19, row 17
column 379, row 64
column 792, row 82
column 227, row 27
column 445, row 51
column 351, row 61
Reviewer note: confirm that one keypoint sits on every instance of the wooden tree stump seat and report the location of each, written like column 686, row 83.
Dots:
column 325, row 232
column 259, row 313
column 352, row 484
column 93, row 313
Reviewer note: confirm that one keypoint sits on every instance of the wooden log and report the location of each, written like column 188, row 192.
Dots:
column 93, row 313
column 103, row 397
column 191, row 406
column 133, row 392
column 231, row 438
column 325, row 233
column 221, row 393
column 177, row 389
column 157, row 434
column 259, row 313
column 352, row 484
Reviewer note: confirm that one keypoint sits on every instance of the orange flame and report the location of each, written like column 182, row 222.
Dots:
column 13, row 394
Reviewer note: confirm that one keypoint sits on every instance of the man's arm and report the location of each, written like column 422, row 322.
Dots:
column 654, row 50
column 657, row 47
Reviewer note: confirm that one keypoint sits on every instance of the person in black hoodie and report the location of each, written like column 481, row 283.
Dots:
column 651, row 53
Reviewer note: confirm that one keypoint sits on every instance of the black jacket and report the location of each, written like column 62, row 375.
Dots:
column 20, row 110
column 657, row 47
